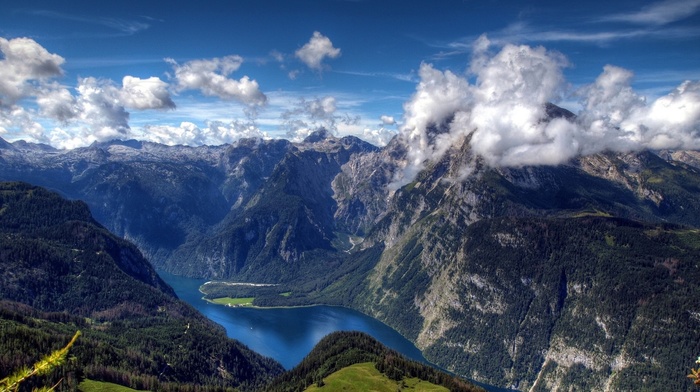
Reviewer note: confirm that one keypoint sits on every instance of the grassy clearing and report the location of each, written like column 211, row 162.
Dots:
column 287, row 294
column 228, row 301
column 690, row 238
column 99, row 386
column 595, row 213
column 365, row 377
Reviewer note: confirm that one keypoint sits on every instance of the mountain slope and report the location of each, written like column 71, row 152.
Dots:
column 543, row 278
column 342, row 349
column 69, row 273
column 546, row 303
column 266, row 236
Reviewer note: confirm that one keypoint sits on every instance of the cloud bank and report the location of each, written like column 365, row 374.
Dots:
column 504, row 112
column 215, row 133
column 99, row 109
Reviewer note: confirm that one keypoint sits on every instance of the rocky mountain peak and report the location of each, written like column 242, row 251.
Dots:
column 319, row 136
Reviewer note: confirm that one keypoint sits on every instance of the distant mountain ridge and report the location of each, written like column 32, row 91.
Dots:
column 163, row 198
column 486, row 269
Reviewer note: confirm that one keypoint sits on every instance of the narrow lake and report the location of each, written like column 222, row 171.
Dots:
column 287, row 334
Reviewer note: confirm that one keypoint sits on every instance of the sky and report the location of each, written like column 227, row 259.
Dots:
column 212, row 72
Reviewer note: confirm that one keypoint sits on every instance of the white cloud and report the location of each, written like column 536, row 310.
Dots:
column 211, row 78
column 187, row 134
column 99, row 111
column 277, row 56
column 589, row 33
column 16, row 117
column 141, row 94
column 316, row 50
column 99, row 107
column 438, row 96
column 509, row 97
column 660, row 13
column 387, row 120
column 322, row 108
column 379, row 137
column 215, row 133
column 505, row 115
column 57, row 102
column 25, row 61
column 96, row 110
column 308, row 116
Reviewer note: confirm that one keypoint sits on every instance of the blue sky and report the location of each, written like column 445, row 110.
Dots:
column 214, row 71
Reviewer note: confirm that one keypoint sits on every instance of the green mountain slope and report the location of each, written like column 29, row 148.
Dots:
column 543, row 303
column 365, row 377
column 340, row 350
column 60, row 271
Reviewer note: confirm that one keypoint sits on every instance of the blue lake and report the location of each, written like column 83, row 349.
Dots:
column 288, row 334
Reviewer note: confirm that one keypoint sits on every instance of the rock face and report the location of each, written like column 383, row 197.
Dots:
column 541, row 278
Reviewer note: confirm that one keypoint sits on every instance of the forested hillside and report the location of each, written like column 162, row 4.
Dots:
column 60, row 272
column 342, row 349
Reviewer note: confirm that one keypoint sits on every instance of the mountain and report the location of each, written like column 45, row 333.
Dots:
column 543, row 278
column 267, row 234
column 576, row 276
column 61, row 271
column 187, row 208
column 340, row 350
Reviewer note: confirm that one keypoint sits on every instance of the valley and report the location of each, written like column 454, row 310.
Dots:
column 534, row 278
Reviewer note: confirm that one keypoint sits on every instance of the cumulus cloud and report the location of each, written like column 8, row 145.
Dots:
column 16, row 116
column 387, row 120
column 142, row 94
column 100, row 108
column 57, row 102
column 505, row 113
column 215, row 133
column 25, row 63
column 316, row 50
column 211, row 77
column 95, row 110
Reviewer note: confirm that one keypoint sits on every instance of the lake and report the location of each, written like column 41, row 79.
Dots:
column 288, row 334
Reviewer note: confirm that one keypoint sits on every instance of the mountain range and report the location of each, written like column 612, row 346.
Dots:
column 538, row 278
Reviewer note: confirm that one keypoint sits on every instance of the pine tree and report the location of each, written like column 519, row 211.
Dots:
column 44, row 366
